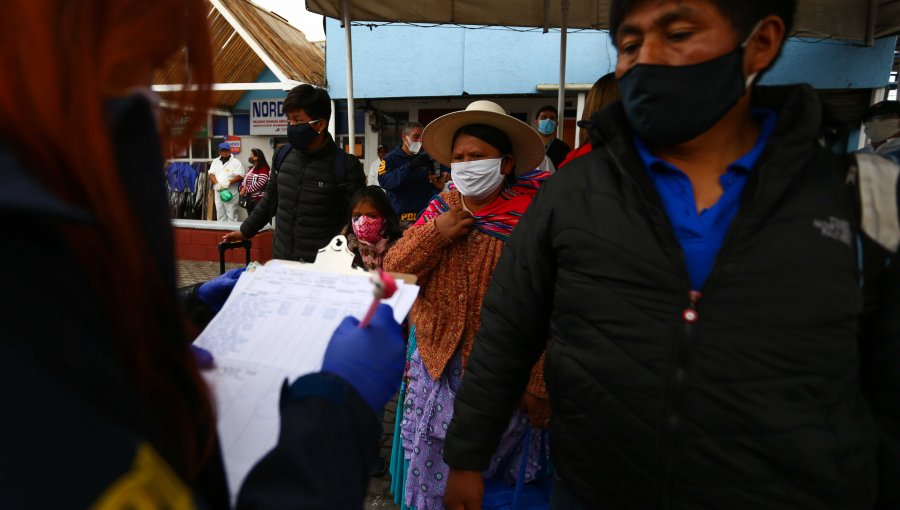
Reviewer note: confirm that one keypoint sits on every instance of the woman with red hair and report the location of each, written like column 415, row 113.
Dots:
column 103, row 403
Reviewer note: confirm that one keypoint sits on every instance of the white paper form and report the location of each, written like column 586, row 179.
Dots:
column 275, row 325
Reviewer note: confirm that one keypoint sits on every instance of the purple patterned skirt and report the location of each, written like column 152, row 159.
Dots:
column 427, row 414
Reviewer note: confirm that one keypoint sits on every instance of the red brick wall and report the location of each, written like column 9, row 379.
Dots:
column 198, row 244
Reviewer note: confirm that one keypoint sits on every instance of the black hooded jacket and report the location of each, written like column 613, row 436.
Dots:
column 781, row 388
column 74, row 431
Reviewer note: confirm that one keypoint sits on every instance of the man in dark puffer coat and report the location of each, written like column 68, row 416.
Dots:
column 305, row 194
column 768, row 379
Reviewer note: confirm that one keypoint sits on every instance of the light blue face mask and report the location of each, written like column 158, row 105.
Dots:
column 546, row 126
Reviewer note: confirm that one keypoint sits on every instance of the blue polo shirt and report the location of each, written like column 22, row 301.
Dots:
column 701, row 235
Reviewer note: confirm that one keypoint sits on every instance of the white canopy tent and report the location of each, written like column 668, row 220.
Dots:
column 852, row 20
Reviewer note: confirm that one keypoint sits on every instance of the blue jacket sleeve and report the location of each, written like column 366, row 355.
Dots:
column 324, row 452
column 393, row 172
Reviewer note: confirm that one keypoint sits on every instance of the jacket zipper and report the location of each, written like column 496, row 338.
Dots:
column 675, row 387
column 689, row 317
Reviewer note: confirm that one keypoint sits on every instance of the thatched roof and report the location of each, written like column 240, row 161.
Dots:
column 239, row 60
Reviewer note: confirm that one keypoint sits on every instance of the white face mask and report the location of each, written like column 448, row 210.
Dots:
column 414, row 147
column 879, row 130
column 477, row 179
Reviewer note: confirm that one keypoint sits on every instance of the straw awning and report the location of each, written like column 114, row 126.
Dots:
column 246, row 40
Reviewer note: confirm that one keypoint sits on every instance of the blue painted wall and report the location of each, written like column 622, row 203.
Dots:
column 834, row 65
column 264, row 77
column 405, row 61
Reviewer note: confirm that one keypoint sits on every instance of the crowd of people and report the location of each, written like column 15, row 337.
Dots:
column 699, row 307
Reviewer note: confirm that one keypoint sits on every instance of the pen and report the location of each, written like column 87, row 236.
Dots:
column 384, row 288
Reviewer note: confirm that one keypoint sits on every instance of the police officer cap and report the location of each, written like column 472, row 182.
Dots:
column 224, row 146
column 882, row 108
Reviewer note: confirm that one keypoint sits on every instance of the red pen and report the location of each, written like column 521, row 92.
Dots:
column 384, row 288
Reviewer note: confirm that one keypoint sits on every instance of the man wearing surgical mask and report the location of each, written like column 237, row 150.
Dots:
column 409, row 175
column 545, row 123
column 721, row 293
column 882, row 126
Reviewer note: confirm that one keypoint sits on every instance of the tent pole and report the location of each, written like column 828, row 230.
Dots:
column 580, row 112
column 871, row 22
column 546, row 16
column 560, row 101
column 351, row 117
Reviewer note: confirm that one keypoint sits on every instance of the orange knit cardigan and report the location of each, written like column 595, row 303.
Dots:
column 453, row 276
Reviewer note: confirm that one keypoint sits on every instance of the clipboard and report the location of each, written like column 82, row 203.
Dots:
column 276, row 325
column 336, row 257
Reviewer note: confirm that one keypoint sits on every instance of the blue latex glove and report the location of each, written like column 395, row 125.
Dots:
column 215, row 292
column 371, row 359
column 203, row 357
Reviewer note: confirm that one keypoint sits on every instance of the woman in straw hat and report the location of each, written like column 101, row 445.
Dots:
column 452, row 249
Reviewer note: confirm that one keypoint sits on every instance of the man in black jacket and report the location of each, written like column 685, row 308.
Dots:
column 721, row 294
column 309, row 193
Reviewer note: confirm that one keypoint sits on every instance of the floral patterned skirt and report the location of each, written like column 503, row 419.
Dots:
column 427, row 411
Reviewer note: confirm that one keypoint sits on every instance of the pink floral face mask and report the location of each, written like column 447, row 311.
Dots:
column 368, row 229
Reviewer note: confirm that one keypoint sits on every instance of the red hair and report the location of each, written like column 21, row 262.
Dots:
column 61, row 59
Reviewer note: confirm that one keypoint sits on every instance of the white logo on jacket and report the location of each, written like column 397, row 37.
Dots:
column 836, row 229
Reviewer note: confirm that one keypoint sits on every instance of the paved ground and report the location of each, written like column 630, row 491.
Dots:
column 379, row 497
column 379, row 489
column 190, row 272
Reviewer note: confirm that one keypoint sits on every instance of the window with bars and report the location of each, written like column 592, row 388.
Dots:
column 392, row 128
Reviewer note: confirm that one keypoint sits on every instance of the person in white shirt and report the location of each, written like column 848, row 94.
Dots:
column 372, row 174
column 226, row 173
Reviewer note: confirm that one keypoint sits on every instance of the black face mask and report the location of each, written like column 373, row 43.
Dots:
column 301, row 135
column 669, row 105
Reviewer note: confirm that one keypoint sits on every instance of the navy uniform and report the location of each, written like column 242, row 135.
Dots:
column 405, row 179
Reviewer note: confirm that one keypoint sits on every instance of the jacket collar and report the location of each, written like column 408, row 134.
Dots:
column 327, row 148
column 790, row 148
column 800, row 122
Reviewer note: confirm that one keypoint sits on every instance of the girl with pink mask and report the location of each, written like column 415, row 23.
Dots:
column 373, row 227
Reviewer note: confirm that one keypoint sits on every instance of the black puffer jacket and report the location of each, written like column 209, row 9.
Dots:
column 307, row 202
column 749, row 397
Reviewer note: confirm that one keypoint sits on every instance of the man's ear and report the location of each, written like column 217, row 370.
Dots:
column 764, row 45
column 508, row 164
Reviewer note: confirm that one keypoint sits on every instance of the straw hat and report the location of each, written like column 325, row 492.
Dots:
column 528, row 148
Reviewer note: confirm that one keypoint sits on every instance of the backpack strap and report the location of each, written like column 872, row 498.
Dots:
column 340, row 166
column 277, row 161
column 280, row 155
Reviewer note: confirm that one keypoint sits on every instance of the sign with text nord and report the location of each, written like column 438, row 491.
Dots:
column 267, row 117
